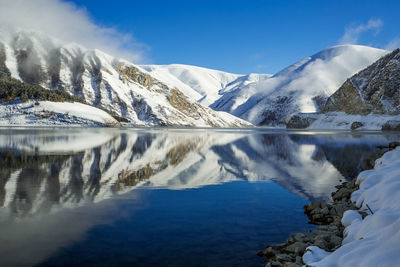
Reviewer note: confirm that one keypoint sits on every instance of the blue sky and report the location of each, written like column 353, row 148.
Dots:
column 246, row 36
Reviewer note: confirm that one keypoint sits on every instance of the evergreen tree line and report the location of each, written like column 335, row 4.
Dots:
column 12, row 89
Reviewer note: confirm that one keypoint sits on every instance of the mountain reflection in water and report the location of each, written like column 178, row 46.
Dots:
column 51, row 178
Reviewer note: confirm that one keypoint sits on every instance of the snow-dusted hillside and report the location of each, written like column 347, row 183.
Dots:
column 202, row 84
column 217, row 89
column 179, row 94
column 47, row 113
column 302, row 87
column 103, row 81
column 375, row 89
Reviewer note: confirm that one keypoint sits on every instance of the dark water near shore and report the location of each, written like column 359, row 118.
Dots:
column 136, row 197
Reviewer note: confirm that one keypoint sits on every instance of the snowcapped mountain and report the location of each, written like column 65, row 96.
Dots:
column 181, row 95
column 265, row 99
column 103, row 81
column 302, row 87
column 369, row 100
column 375, row 89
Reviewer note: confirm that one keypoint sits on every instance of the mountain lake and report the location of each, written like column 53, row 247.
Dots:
column 165, row 197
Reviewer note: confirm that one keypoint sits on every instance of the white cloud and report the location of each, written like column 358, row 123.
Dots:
column 69, row 23
column 352, row 33
column 393, row 44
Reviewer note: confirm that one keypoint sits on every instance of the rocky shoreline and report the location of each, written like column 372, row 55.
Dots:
column 329, row 233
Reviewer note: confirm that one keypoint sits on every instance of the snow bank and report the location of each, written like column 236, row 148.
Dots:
column 343, row 121
column 374, row 241
column 47, row 113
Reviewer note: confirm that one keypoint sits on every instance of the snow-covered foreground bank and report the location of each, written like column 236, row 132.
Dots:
column 47, row 113
column 374, row 241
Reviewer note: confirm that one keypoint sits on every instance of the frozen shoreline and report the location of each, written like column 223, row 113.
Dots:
column 349, row 232
column 374, row 240
column 47, row 113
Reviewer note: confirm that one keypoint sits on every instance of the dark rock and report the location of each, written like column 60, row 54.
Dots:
column 329, row 228
column 363, row 214
column 269, row 252
column 393, row 145
column 299, row 121
column 335, row 240
column 340, row 209
column 355, row 125
column 291, row 264
column 342, row 193
column 299, row 237
column 321, row 243
column 391, row 126
column 325, row 211
column 284, row 258
column 317, row 217
column 297, row 248
column 315, row 211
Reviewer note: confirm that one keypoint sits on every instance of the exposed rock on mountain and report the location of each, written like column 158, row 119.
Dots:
column 375, row 89
column 369, row 100
column 201, row 84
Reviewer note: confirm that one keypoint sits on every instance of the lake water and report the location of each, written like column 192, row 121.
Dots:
column 154, row 197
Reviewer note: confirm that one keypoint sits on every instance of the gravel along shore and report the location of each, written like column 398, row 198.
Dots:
column 329, row 233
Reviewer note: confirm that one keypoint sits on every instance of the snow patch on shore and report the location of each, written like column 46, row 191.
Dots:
column 47, row 113
column 375, row 240
column 343, row 121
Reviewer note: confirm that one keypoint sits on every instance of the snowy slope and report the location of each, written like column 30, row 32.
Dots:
column 103, row 81
column 374, row 240
column 375, row 89
column 302, row 87
column 239, row 91
column 202, row 84
column 47, row 113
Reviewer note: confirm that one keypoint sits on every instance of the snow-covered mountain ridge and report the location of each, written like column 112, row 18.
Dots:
column 375, row 89
column 369, row 100
column 103, row 81
column 304, row 86
column 265, row 99
column 181, row 95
